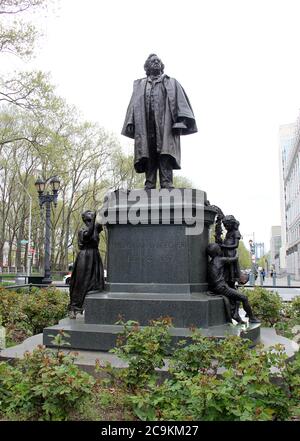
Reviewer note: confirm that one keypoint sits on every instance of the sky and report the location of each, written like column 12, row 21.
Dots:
column 238, row 61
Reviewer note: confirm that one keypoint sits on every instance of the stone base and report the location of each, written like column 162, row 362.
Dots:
column 164, row 288
column 103, row 337
column 97, row 329
column 194, row 310
column 158, row 254
column 86, row 359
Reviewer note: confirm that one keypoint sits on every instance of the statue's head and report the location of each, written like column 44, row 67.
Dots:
column 87, row 216
column 213, row 250
column 230, row 222
column 153, row 65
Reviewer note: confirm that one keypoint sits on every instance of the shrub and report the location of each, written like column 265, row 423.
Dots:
column 18, row 326
column 295, row 304
column 45, row 307
column 210, row 379
column 8, row 299
column 44, row 385
column 266, row 305
column 144, row 349
column 26, row 313
column 195, row 357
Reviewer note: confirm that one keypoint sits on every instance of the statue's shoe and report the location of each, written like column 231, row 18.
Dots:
column 238, row 319
column 72, row 314
column 167, row 186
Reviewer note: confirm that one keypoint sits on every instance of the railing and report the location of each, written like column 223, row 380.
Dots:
column 273, row 281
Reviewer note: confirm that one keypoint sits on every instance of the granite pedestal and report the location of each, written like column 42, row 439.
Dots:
column 155, row 268
column 159, row 253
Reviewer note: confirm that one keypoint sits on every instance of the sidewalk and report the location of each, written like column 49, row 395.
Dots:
column 286, row 293
column 280, row 281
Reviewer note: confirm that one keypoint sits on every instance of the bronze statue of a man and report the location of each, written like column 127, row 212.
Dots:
column 158, row 113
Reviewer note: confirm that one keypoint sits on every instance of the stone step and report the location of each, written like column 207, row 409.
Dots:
column 86, row 359
column 103, row 337
column 193, row 310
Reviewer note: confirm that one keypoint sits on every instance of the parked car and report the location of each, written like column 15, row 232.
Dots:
column 67, row 278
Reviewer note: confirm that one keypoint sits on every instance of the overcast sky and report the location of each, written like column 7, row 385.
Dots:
column 238, row 61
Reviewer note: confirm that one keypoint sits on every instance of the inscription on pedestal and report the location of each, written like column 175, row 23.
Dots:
column 149, row 254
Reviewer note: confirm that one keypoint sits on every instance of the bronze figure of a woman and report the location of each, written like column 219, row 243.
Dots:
column 87, row 274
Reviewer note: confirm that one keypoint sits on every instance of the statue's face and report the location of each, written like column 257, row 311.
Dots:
column 155, row 65
column 87, row 216
column 228, row 224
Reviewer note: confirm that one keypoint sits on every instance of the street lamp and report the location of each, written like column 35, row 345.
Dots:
column 47, row 198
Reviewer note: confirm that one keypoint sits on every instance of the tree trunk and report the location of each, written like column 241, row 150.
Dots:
column 1, row 254
column 9, row 257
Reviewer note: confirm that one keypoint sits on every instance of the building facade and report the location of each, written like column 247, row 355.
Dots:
column 275, row 245
column 289, row 140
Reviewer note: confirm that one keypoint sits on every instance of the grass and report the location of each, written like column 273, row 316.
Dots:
column 106, row 405
column 7, row 283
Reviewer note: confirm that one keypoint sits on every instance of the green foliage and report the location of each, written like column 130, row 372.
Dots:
column 210, row 379
column 44, row 385
column 244, row 256
column 289, row 323
column 194, row 357
column 144, row 348
column 18, row 39
column 45, row 308
column 106, row 404
column 263, row 261
column 18, row 36
column 295, row 305
column 291, row 377
column 182, row 182
column 266, row 305
column 25, row 314
column 272, row 311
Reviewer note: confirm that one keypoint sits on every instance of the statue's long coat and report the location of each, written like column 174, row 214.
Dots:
column 170, row 104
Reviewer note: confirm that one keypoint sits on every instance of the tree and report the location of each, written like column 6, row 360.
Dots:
column 122, row 173
column 182, row 182
column 30, row 91
column 263, row 261
column 26, row 90
column 42, row 136
column 244, row 256
column 18, row 36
